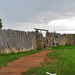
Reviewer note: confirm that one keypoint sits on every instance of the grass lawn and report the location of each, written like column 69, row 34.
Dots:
column 63, row 63
column 6, row 58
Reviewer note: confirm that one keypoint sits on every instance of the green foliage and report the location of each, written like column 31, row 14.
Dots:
column 1, row 23
column 47, row 49
column 54, row 32
column 73, row 35
column 63, row 63
column 6, row 58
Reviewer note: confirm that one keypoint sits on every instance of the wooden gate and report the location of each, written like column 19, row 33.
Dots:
column 43, row 42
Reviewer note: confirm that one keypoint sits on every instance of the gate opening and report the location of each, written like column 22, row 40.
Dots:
column 43, row 41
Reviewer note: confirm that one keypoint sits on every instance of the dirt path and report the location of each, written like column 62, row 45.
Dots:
column 25, row 63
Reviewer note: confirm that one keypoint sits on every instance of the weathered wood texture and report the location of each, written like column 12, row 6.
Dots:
column 64, row 39
column 12, row 41
column 16, row 41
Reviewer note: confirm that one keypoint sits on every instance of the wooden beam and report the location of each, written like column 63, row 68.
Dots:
column 41, row 29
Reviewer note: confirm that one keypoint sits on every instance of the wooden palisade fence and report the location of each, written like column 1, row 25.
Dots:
column 16, row 41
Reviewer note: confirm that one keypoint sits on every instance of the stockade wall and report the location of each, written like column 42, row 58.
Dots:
column 67, row 39
column 12, row 41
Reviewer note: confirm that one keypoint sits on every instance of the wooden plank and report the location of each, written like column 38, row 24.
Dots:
column 41, row 29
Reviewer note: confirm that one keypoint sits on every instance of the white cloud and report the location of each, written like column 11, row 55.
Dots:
column 45, row 17
column 28, row 26
column 60, row 22
column 59, row 25
column 63, row 24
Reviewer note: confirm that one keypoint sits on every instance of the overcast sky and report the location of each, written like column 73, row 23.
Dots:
column 54, row 15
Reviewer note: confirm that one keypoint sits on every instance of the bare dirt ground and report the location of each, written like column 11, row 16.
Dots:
column 25, row 63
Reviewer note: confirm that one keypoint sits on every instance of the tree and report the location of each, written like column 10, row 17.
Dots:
column 1, row 23
column 56, row 32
